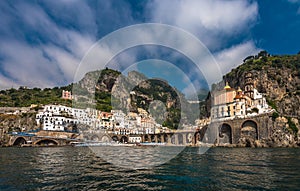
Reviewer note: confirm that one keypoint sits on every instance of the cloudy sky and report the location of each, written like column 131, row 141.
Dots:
column 43, row 42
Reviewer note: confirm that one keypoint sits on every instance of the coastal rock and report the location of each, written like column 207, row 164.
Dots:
column 16, row 122
column 246, row 142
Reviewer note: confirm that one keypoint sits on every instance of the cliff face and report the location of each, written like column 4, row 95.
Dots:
column 11, row 122
column 113, row 90
column 102, row 81
column 16, row 122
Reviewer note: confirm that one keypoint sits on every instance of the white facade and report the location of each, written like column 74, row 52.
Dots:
column 57, row 117
column 135, row 139
column 260, row 102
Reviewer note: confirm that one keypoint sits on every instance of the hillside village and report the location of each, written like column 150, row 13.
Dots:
column 228, row 104
column 242, row 96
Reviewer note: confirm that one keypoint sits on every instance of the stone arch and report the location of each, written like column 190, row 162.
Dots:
column 46, row 142
column 19, row 141
column 95, row 138
column 225, row 134
column 146, row 137
column 124, row 139
column 115, row 138
column 152, row 138
column 158, row 138
column 173, row 139
column 165, row 137
column 105, row 139
column 197, row 137
column 249, row 130
column 86, row 137
column 180, row 139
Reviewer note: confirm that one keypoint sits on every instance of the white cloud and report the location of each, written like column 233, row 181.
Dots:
column 296, row 2
column 53, row 38
column 26, row 65
column 63, row 33
column 233, row 56
column 212, row 21
column 6, row 83
column 43, row 64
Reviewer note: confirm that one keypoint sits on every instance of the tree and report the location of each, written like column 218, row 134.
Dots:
column 263, row 53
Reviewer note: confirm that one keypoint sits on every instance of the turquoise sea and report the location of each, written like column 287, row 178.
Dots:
column 78, row 168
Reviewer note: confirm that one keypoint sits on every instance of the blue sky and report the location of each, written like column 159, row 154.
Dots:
column 43, row 42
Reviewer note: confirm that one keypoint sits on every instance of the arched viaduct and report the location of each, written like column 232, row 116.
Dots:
column 218, row 132
column 231, row 131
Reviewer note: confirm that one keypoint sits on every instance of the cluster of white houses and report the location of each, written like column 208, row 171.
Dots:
column 61, row 118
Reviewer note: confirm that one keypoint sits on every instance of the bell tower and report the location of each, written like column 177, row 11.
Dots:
column 249, row 85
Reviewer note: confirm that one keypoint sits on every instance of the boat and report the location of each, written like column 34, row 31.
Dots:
column 98, row 144
column 152, row 144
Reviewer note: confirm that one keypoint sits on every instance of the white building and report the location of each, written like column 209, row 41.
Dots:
column 135, row 139
column 259, row 102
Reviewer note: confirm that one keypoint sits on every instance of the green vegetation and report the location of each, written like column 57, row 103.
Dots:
column 275, row 115
column 292, row 126
column 103, row 101
column 263, row 61
column 24, row 97
column 103, row 95
column 272, row 103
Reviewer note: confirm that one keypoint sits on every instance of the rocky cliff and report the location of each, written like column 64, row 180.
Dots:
column 17, row 121
column 112, row 90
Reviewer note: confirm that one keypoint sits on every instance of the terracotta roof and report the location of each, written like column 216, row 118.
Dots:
column 239, row 96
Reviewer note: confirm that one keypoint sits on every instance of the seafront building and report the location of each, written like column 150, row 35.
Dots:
column 231, row 103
